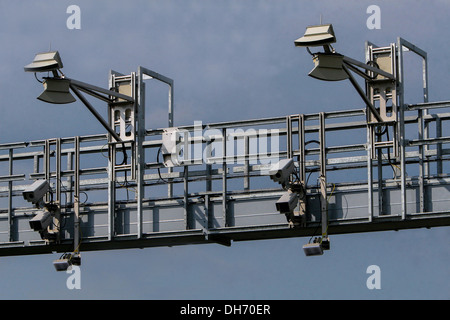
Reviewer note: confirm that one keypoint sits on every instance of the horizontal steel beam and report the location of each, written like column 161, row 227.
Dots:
column 227, row 236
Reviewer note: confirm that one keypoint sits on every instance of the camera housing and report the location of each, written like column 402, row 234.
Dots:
column 36, row 191
column 287, row 202
column 41, row 221
column 281, row 171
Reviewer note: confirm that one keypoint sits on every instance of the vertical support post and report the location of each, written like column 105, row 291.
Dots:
column 439, row 146
column 57, row 218
column 323, row 176
column 368, row 51
column 76, row 204
column 171, row 110
column 246, row 163
column 224, row 178
column 111, row 190
column 111, row 166
column 170, row 169
column 421, row 121
column 369, row 172
column 207, row 215
column 380, row 176
column 301, row 143
column 36, row 163
column 302, row 162
column 10, row 186
column 424, row 167
column 186, row 196
column 47, row 163
column 149, row 74
column 425, row 171
column 401, row 124
column 186, row 157
column 208, row 150
column 289, row 136
column 69, row 192
column 140, row 154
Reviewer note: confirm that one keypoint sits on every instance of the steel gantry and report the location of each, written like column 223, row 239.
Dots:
column 212, row 182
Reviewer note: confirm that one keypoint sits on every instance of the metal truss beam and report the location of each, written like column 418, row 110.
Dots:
column 226, row 195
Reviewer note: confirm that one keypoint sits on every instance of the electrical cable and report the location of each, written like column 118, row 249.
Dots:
column 372, row 64
column 320, row 222
column 157, row 160
column 35, row 75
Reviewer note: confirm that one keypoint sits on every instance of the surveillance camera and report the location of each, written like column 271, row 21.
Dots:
column 36, row 191
column 287, row 202
column 281, row 171
column 41, row 221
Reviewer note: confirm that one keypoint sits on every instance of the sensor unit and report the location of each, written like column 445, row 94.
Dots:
column 313, row 249
column 36, row 191
column 41, row 221
column 287, row 202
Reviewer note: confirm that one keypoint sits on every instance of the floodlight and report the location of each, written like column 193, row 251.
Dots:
column 328, row 66
column 67, row 260
column 56, row 90
column 331, row 66
column 287, row 202
column 46, row 61
column 313, row 249
column 61, row 264
column 316, row 36
column 41, row 221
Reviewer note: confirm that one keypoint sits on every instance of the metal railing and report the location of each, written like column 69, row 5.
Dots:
column 222, row 192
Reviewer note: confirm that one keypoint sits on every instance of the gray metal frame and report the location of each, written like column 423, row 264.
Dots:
column 219, row 212
column 227, row 195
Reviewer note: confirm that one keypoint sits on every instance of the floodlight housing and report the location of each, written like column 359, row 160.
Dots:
column 313, row 249
column 67, row 260
column 56, row 90
column 329, row 67
column 46, row 61
column 61, row 264
column 317, row 36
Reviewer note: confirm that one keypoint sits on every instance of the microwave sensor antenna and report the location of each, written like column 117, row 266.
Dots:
column 56, row 88
column 57, row 91
column 45, row 62
column 332, row 66
column 321, row 35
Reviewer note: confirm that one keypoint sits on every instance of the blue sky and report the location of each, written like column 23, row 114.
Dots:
column 231, row 60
